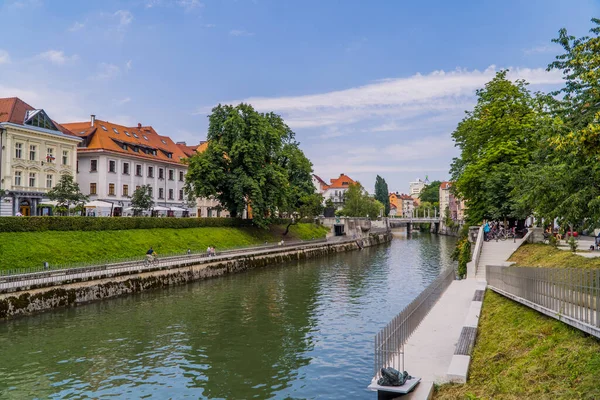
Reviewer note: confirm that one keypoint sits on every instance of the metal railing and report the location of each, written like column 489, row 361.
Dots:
column 27, row 277
column 571, row 295
column 390, row 341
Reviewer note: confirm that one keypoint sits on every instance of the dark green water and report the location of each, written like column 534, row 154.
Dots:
column 299, row 330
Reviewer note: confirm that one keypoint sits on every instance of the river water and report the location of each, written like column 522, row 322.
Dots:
column 299, row 330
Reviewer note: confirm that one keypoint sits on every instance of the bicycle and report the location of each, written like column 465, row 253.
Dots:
column 151, row 262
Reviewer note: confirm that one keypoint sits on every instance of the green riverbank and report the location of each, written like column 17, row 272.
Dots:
column 27, row 249
column 522, row 354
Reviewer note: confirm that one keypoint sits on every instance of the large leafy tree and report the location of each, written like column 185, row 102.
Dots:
column 358, row 203
column 497, row 140
column 141, row 200
column 66, row 192
column 431, row 193
column 252, row 160
column 382, row 194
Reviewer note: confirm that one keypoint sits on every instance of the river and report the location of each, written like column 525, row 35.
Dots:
column 298, row 330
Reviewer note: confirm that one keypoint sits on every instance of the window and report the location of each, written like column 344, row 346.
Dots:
column 150, row 191
column 169, row 155
column 111, row 189
column 40, row 119
column 161, row 193
column 180, row 176
column 93, row 165
column 163, row 140
column 170, row 194
column 92, row 188
column 32, row 179
column 150, row 172
column 50, row 155
column 115, row 131
column 103, row 127
column 124, row 146
column 180, row 194
column 161, row 173
column 126, row 168
column 125, row 190
column 65, row 157
column 112, row 166
column 145, row 137
column 171, row 175
column 17, row 178
column 49, row 181
column 138, row 170
column 77, row 166
column 135, row 135
column 18, row 150
column 32, row 149
column 127, row 133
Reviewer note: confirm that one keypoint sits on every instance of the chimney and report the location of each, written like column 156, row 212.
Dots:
column 181, row 143
column 93, row 119
column 139, row 125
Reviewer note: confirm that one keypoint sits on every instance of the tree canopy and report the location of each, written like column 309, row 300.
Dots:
column 141, row 199
column 431, row 193
column 358, row 203
column 382, row 194
column 66, row 192
column 252, row 159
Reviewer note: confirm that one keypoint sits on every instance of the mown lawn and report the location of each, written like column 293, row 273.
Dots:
column 522, row 354
column 26, row 249
column 544, row 255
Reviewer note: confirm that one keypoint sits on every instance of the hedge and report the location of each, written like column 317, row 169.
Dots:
column 37, row 224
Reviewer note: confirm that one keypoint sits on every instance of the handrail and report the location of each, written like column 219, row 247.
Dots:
column 474, row 263
column 389, row 342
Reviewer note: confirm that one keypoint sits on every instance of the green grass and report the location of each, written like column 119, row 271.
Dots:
column 544, row 255
column 522, row 354
column 27, row 249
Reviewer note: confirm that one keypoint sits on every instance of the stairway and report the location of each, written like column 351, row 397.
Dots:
column 495, row 253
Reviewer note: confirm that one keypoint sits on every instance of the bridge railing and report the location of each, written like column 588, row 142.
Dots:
column 390, row 341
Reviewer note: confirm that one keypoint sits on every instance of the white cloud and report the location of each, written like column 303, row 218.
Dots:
column 189, row 5
column 57, row 57
column 124, row 17
column 240, row 32
column 76, row 27
column 4, row 57
column 409, row 97
column 107, row 71
column 123, row 101
column 546, row 48
column 128, row 65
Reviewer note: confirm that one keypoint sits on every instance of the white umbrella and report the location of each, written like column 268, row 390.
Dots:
column 98, row 204
column 178, row 209
column 159, row 208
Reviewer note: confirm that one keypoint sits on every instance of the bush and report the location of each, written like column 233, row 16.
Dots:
column 573, row 244
column 39, row 224
column 462, row 254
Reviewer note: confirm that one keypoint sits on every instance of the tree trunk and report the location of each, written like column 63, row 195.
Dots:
column 287, row 228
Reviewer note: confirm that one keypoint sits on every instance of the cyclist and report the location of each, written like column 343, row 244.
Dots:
column 150, row 255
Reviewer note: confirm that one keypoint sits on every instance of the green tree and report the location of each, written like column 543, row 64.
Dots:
column 251, row 160
column 141, row 200
column 66, row 192
column 359, row 204
column 382, row 194
column 431, row 193
column 497, row 140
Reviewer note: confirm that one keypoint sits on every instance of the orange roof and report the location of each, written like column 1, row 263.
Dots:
column 445, row 185
column 202, row 147
column 187, row 150
column 116, row 138
column 343, row 181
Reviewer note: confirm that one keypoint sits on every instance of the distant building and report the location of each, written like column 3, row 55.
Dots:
column 416, row 187
column 36, row 151
column 335, row 190
column 450, row 206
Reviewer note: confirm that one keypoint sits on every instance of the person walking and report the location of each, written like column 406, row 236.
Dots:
column 486, row 231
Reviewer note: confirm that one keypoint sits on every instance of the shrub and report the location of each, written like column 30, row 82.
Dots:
column 573, row 244
column 552, row 241
column 462, row 254
column 38, row 224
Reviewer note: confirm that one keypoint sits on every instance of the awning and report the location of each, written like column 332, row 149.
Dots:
column 98, row 204
column 160, row 208
column 178, row 209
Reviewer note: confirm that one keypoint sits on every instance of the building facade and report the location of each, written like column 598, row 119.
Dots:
column 451, row 206
column 335, row 190
column 114, row 160
column 36, row 152
column 416, row 187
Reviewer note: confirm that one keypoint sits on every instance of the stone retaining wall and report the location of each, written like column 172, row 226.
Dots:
column 73, row 294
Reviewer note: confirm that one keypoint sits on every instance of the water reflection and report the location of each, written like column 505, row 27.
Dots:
column 302, row 330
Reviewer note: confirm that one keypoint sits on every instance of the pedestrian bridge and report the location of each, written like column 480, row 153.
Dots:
column 405, row 221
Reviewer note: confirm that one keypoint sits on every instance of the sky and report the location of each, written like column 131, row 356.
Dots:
column 369, row 87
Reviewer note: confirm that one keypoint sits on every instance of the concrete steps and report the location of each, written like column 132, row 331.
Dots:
column 495, row 253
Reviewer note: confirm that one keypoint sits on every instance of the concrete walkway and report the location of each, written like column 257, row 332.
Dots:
column 429, row 350
column 495, row 253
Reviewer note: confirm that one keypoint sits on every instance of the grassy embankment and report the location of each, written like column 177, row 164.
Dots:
column 26, row 249
column 522, row 354
column 543, row 255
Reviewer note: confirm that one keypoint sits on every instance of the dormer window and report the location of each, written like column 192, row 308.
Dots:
column 104, row 128
column 115, row 131
column 124, row 146
column 163, row 140
column 40, row 119
column 127, row 133
column 145, row 137
column 135, row 149
column 135, row 135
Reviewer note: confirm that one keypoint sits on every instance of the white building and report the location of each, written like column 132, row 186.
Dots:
column 335, row 190
column 416, row 187
column 114, row 160
column 35, row 151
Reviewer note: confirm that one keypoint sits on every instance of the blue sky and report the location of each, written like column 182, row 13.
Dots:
column 369, row 87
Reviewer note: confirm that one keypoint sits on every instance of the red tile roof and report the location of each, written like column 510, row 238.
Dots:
column 343, row 181
column 109, row 136
column 13, row 109
column 445, row 185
